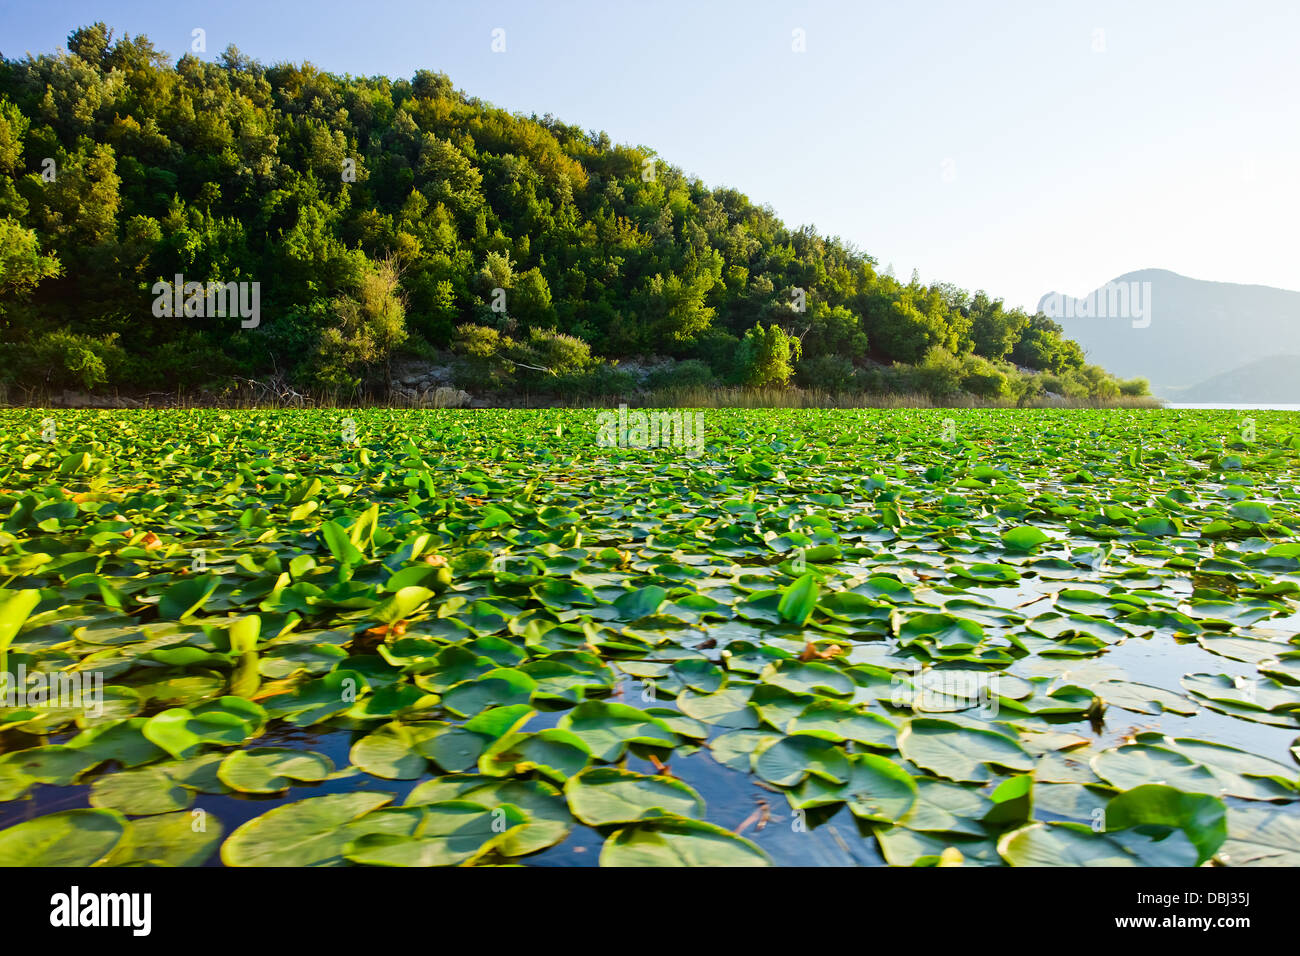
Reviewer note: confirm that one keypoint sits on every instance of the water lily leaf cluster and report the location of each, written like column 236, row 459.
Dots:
column 450, row 638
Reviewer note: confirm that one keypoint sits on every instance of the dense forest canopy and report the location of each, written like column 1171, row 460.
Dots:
column 382, row 215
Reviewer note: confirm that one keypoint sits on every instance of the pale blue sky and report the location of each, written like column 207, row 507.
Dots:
column 1020, row 147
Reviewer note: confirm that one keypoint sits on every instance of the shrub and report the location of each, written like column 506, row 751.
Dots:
column 555, row 352
column 483, row 365
column 491, row 359
column 940, row 373
column 1096, row 381
column 1072, row 387
column 604, row 380
column 830, row 373
column 65, row 360
column 288, row 339
column 1050, row 382
column 980, row 377
column 190, row 358
column 897, row 379
column 765, row 357
column 870, row 380
column 717, row 348
column 1024, row 385
column 477, row 341
column 691, row 373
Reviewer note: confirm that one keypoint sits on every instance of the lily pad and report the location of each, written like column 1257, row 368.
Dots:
column 606, row 795
column 272, row 769
column 313, row 832
column 958, row 752
column 66, row 838
column 677, row 841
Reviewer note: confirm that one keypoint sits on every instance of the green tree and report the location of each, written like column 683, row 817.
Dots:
column 22, row 266
column 993, row 329
column 369, row 325
column 766, row 357
column 1042, row 345
column 301, row 179
column 674, row 309
column 530, row 300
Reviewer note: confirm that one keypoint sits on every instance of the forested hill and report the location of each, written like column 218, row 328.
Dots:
column 380, row 215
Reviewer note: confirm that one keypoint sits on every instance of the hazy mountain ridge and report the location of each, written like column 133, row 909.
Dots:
column 1267, row 381
column 1197, row 341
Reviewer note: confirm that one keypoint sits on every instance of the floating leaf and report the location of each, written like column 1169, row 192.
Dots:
column 169, row 839
column 393, row 752
column 877, row 790
column 606, row 795
column 272, row 769
column 608, row 728
column 1073, row 844
column 1201, row 818
column 786, row 761
column 1261, row 838
column 313, row 832
column 140, row 792
column 958, row 752
column 1023, row 538
column 679, row 842
column 448, row 834
column 67, row 838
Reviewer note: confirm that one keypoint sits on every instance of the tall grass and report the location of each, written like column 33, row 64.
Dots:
column 816, row 398
column 692, row 397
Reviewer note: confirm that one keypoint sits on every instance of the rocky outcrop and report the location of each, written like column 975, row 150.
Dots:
column 441, row 397
column 421, row 375
column 71, row 399
column 421, row 383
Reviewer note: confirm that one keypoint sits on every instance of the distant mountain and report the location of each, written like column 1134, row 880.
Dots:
column 1268, row 381
column 1217, row 341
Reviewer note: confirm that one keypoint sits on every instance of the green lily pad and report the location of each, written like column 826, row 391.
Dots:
column 184, row 838
column 182, row 733
column 1202, row 819
column 66, row 838
column 788, row 760
column 605, row 795
column 1136, row 764
column 960, row 753
column 728, row 707
column 1261, row 838
column 672, row 841
column 1023, row 538
column 272, row 769
column 313, row 832
column 554, row 753
column 607, row 728
column 1073, row 844
column 877, row 790
column 140, row 792
column 393, row 751
column 448, row 834
column 547, row 815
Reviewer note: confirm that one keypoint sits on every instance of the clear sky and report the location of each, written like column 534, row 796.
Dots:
column 1019, row 147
